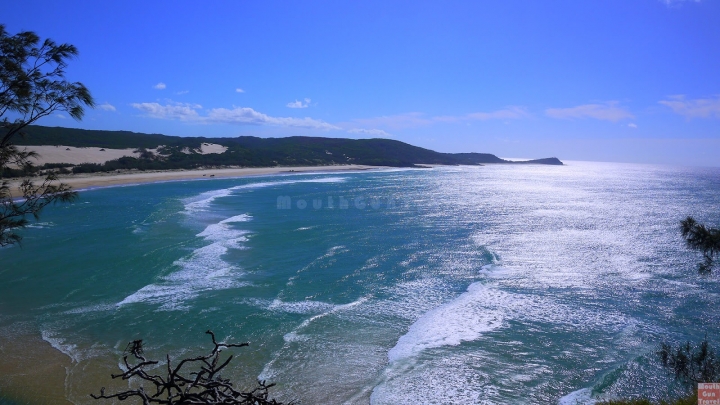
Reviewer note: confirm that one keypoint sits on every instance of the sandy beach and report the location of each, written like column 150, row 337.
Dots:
column 37, row 360
column 73, row 155
column 85, row 181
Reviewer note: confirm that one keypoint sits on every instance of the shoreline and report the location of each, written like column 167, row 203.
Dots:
column 97, row 180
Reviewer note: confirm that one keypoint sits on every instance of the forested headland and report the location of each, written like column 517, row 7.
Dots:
column 164, row 152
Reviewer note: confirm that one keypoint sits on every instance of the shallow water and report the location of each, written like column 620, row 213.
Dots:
column 494, row 284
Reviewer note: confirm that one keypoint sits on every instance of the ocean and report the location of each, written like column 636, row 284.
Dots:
column 497, row 284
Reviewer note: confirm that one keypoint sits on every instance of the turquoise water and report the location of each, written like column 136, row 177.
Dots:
column 494, row 284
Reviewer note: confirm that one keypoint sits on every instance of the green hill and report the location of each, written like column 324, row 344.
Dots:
column 249, row 151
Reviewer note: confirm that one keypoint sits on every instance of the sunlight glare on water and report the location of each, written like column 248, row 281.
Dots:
column 493, row 284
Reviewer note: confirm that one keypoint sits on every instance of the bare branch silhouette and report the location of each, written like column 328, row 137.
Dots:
column 194, row 380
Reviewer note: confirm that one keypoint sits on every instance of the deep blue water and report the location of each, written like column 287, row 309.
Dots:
column 494, row 284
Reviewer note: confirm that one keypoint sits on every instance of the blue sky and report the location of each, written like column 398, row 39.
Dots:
column 606, row 80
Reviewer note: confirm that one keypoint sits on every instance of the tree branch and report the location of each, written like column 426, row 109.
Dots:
column 206, row 387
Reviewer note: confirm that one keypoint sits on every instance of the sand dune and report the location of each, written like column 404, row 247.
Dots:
column 76, row 156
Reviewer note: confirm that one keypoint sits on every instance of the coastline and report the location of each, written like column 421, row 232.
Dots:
column 97, row 180
column 30, row 358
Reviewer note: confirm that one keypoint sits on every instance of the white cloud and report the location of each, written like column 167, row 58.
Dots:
column 245, row 115
column 509, row 113
column 694, row 108
column 239, row 90
column 181, row 92
column 417, row 119
column 299, row 104
column 237, row 115
column 606, row 112
column 407, row 120
column 371, row 132
column 671, row 3
column 60, row 116
column 160, row 86
column 183, row 112
column 106, row 107
column 512, row 112
column 632, row 125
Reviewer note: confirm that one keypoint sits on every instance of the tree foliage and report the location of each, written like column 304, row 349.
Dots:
column 32, row 86
column 691, row 364
column 194, row 380
column 701, row 238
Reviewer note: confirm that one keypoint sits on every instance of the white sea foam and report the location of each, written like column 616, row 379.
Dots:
column 483, row 308
column 325, row 180
column 203, row 270
column 223, row 232
column 335, row 308
column 579, row 397
column 463, row 319
column 332, row 309
column 295, row 335
column 453, row 381
column 203, row 200
column 328, row 254
column 286, row 182
column 300, row 307
column 68, row 349
column 40, row 225
column 495, row 271
column 290, row 307
column 91, row 308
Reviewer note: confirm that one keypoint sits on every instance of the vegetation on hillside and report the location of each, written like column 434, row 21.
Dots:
column 173, row 152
